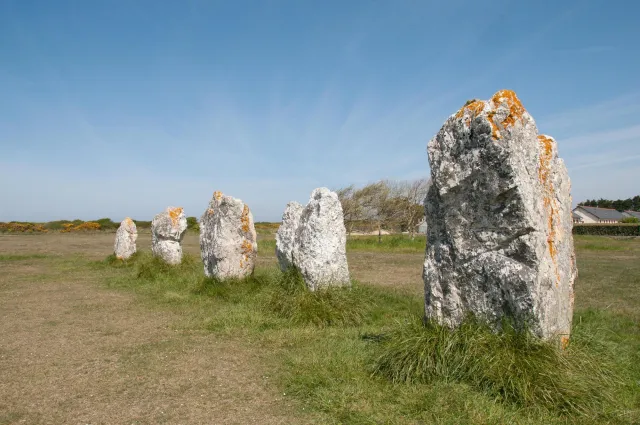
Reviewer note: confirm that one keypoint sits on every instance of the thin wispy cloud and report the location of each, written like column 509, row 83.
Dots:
column 602, row 160
column 603, row 139
column 266, row 106
column 608, row 112
column 595, row 49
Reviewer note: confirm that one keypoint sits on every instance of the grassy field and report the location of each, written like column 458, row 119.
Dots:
column 144, row 343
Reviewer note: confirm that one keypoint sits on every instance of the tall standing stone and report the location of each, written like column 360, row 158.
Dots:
column 126, row 236
column 499, row 222
column 319, row 250
column 167, row 230
column 228, row 242
column 285, row 237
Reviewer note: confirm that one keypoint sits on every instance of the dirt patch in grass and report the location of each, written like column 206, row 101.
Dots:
column 71, row 352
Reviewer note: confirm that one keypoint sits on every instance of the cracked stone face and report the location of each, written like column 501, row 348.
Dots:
column 167, row 230
column 499, row 222
column 126, row 236
column 228, row 241
column 319, row 248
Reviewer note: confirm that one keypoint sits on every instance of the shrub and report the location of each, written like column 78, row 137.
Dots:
column 141, row 224
column 107, row 224
column 631, row 220
column 513, row 366
column 22, row 227
column 192, row 224
column 607, row 229
column 80, row 227
column 56, row 225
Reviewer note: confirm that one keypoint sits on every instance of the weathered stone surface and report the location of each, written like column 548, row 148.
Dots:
column 228, row 242
column 167, row 231
column 499, row 221
column 319, row 250
column 285, row 237
column 126, row 236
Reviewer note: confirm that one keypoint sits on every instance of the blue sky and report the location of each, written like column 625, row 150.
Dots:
column 116, row 108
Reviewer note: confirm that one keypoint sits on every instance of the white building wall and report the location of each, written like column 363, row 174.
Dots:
column 586, row 217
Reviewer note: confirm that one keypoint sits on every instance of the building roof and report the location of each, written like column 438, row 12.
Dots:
column 576, row 216
column 603, row 213
column 635, row 214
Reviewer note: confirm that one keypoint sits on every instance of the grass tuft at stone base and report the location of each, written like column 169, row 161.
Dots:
column 331, row 306
column 511, row 366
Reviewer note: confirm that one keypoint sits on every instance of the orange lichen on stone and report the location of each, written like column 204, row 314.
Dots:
column 210, row 211
column 174, row 214
column 549, row 199
column 495, row 132
column 217, row 194
column 564, row 342
column 244, row 219
column 516, row 111
column 128, row 221
column 474, row 107
column 247, row 247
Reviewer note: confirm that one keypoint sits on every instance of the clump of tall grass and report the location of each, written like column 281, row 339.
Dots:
column 512, row 366
column 114, row 261
column 330, row 306
column 151, row 267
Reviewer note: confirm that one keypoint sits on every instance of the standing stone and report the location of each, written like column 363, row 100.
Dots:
column 125, row 245
column 499, row 222
column 285, row 237
column 228, row 241
column 319, row 250
column 167, row 231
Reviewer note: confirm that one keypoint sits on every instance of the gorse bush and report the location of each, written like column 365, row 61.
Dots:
column 511, row 365
column 22, row 227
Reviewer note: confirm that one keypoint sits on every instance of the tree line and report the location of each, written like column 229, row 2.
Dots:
column 386, row 204
column 629, row 204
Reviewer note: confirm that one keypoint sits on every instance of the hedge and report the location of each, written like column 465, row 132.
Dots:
column 607, row 229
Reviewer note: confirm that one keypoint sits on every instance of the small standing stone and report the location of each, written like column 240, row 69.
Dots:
column 319, row 250
column 285, row 237
column 126, row 236
column 167, row 230
column 499, row 222
column 228, row 241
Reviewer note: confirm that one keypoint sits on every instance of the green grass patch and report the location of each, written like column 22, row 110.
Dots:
column 290, row 299
column 512, row 366
column 19, row 257
column 387, row 243
column 395, row 243
column 351, row 356
column 266, row 246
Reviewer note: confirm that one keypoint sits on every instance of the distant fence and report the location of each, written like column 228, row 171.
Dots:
column 607, row 229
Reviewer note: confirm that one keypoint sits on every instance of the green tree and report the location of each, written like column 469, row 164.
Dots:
column 192, row 224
